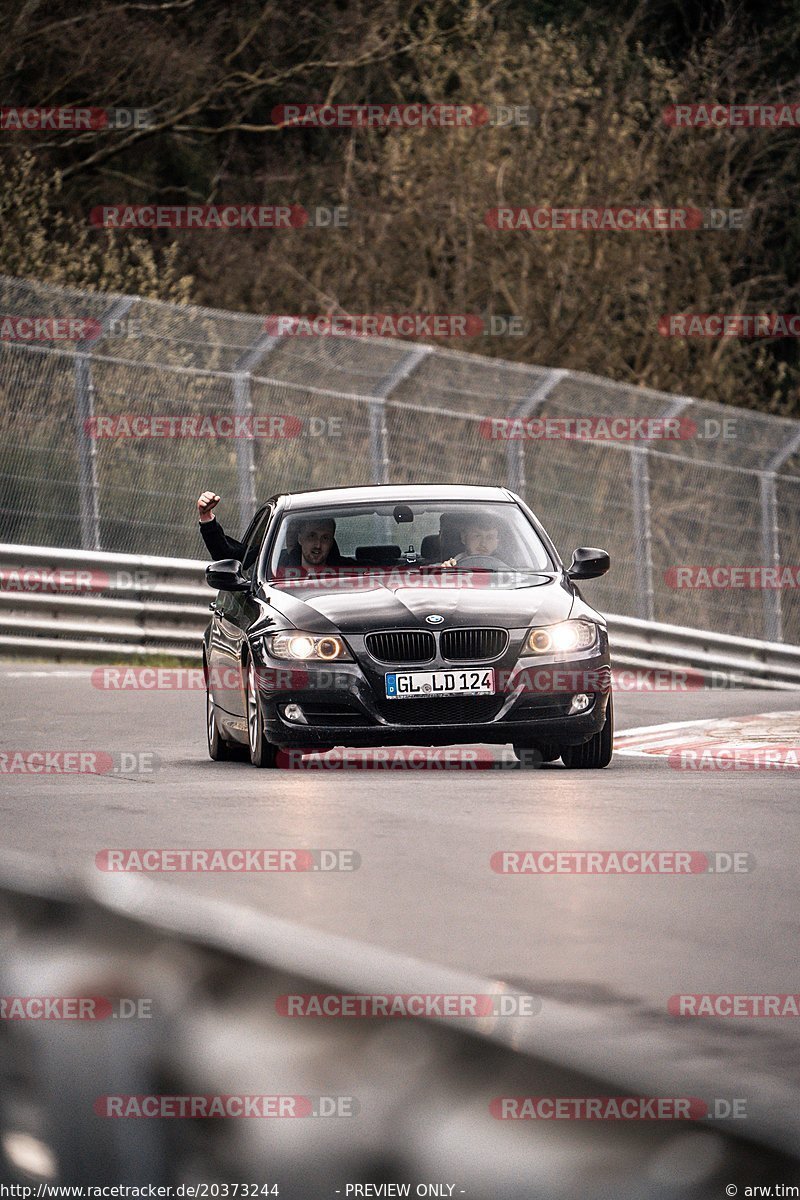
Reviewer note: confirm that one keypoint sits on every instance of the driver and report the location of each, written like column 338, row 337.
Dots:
column 480, row 535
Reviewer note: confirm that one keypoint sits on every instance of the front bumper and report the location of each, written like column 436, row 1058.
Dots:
column 346, row 705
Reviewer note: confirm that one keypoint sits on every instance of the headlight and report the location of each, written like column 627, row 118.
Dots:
column 562, row 638
column 296, row 645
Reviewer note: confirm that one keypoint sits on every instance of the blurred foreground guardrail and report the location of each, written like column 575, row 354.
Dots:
column 419, row 1090
column 90, row 606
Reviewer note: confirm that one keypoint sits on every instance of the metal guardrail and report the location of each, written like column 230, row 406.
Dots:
column 211, row 974
column 724, row 661
column 83, row 604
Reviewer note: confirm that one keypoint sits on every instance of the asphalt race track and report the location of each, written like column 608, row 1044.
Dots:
column 424, row 885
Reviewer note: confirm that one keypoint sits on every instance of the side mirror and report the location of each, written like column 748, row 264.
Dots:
column 588, row 563
column 225, row 575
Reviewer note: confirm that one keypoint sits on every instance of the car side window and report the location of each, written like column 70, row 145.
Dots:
column 254, row 538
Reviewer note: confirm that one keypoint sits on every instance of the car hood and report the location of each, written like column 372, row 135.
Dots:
column 540, row 599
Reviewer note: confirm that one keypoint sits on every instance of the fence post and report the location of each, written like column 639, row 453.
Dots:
column 642, row 529
column 88, row 484
column 770, row 536
column 378, row 434
column 515, row 447
column 243, row 407
column 642, row 533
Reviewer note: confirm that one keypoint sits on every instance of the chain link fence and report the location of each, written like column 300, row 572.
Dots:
column 329, row 411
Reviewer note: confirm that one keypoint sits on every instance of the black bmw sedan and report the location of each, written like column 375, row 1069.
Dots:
column 418, row 615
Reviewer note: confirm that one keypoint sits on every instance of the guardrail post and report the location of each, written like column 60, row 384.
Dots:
column 378, row 433
column 515, row 447
column 770, row 536
column 243, row 407
column 88, row 485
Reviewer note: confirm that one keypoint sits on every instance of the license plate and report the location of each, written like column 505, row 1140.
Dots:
column 413, row 685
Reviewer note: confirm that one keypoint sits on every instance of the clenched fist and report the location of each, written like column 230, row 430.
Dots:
column 207, row 501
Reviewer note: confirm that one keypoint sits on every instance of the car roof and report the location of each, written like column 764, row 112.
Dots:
column 389, row 492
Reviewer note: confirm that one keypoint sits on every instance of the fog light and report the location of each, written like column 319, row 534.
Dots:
column 579, row 703
column 293, row 712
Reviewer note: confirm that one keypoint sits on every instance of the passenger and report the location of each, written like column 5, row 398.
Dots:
column 316, row 545
column 218, row 544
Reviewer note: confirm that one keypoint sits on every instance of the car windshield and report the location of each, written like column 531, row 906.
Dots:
column 424, row 534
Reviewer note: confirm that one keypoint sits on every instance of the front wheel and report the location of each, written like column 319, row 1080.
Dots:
column 535, row 755
column 595, row 753
column 262, row 752
column 219, row 748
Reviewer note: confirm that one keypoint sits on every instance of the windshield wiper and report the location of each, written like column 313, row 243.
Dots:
column 441, row 567
column 489, row 570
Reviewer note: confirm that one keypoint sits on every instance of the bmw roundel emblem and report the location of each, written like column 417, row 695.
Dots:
column 434, row 619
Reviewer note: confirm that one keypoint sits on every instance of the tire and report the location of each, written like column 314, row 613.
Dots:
column 220, row 749
column 596, row 753
column 548, row 751
column 262, row 752
column 534, row 756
